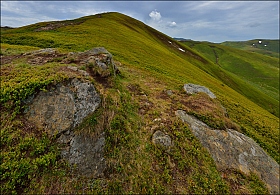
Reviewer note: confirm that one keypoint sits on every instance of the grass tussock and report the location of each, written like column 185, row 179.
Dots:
column 209, row 111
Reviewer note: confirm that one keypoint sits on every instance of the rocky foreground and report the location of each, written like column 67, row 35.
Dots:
column 67, row 104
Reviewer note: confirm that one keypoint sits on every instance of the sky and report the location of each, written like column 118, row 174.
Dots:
column 214, row 21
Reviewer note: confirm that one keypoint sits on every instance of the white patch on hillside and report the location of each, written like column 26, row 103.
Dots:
column 181, row 50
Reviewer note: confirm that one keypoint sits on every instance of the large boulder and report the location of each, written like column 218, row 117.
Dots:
column 192, row 89
column 58, row 112
column 231, row 149
column 64, row 107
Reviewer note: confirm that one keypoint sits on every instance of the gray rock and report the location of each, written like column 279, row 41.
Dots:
column 74, row 68
column 84, row 73
column 86, row 154
column 63, row 108
column 59, row 111
column 192, row 89
column 161, row 139
column 169, row 92
column 98, row 59
column 231, row 149
column 101, row 66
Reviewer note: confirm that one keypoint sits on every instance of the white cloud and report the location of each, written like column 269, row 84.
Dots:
column 172, row 24
column 155, row 15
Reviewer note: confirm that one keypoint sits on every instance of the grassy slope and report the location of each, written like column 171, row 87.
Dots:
column 148, row 59
column 261, row 73
column 135, row 35
column 271, row 48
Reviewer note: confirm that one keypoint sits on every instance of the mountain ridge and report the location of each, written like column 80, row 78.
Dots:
column 48, row 43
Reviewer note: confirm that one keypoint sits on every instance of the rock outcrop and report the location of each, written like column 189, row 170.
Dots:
column 98, row 59
column 231, row 149
column 63, row 108
column 59, row 111
column 192, row 89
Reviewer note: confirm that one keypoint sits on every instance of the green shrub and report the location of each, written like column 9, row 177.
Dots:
column 23, row 157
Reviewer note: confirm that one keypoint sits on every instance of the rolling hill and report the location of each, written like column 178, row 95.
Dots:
column 150, row 62
column 259, row 71
column 262, row 46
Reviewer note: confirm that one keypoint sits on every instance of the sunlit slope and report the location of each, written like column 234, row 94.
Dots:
column 138, row 46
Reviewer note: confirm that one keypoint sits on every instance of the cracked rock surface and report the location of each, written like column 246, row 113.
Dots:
column 64, row 107
column 61, row 109
column 231, row 149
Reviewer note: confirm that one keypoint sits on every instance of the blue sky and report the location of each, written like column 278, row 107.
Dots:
column 214, row 21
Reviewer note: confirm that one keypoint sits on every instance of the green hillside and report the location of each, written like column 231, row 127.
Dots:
column 150, row 63
column 266, row 46
column 131, row 34
column 260, row 72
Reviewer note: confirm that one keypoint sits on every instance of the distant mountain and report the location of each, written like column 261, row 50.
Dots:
column 181, row 39
column 262, row 46
column 3, row 28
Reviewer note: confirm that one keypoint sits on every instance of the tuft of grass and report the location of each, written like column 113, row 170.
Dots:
column 244, row 184
column 209, row 111
column 7, row 49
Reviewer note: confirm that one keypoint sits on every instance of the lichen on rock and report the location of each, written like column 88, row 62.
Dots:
column 98, row 60
column 63, row 107
column 231, row 149
column 85, row 153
